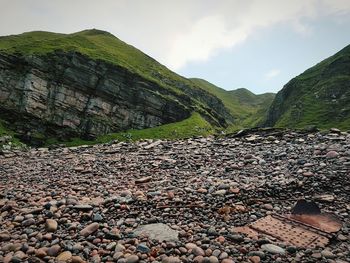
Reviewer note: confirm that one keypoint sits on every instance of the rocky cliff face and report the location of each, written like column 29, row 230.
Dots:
column 90, row 83
column 71, row 94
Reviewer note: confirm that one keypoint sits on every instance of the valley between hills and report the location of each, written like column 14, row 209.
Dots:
column 108, row 156
column 90, row 87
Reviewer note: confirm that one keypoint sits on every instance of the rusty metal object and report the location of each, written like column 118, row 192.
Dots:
column 303, row 207
column 288, row 232
column 246, row 230
column 306, row 227
column 325, row 222
column 308, row 213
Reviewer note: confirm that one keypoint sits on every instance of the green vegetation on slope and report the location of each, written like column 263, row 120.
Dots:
column 320, row 96
column 101, row 45
column 4, row 131
column 96, row 44
column 193, row 126
column 247, row 108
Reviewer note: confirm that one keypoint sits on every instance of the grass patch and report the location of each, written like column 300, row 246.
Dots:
column 196, row 125
column 6, row 132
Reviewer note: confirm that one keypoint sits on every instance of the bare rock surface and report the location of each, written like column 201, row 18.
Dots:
column 87, row 204
column 64, row 94
column 157, row 231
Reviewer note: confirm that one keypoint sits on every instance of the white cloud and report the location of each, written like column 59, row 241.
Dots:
column 238, row 22
column 199, row 42
column 174, row 32
column 272, row 73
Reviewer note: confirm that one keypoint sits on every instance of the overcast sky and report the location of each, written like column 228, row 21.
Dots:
column 256, row 44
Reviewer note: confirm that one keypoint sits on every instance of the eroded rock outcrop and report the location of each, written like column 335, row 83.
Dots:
column 81, row 95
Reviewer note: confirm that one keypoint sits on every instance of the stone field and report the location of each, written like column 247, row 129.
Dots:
column 171, row 201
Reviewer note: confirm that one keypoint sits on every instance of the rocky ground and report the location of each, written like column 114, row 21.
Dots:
column 88, row 203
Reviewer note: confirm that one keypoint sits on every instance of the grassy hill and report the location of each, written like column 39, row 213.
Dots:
column 320, row 96
column 100, row 45
column 97, row 44
column 247, row 108
column 103, row 46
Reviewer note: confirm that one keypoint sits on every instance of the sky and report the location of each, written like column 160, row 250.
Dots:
column 256, row 44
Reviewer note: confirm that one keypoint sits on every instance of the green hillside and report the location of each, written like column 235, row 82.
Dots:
column 97, row 44
column 247, row 108
column 102, row 45
column 320, row 96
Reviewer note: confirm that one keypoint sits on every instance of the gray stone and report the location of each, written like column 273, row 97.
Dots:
column 97, row 218
column 171, row 260
column 327, row 254
column 317, row 255
column 291, row 249
column 132, row 259
column 111, row 246
column 18, row 218
column 143, row 248
column 51, row 225
column 220, row 192
column 216, row 253
column 64, row 256
column 198, row 259
column 273, row 249
column 341, row 237
column 223, row 255
column 5, row 236
column 89, row 229
column 267, row 206
column 157, row 231
column 28, row 222
column 213, row 259
column 332, row 154
column 198, row 251
column 143, row 180
column 260, row 254
column 119, row 248
column 118, row 255
column 83, row 207
column 212, row 231
column 54, row 250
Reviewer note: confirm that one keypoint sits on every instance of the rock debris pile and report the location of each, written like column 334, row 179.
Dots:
column 171, row 201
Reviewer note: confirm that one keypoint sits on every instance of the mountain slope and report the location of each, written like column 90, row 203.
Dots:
column 91, row 83
column 247, row 108
column 320, row 96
